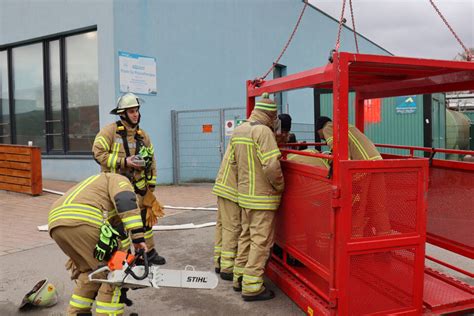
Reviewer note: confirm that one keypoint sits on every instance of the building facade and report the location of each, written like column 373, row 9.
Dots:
column 60, row 74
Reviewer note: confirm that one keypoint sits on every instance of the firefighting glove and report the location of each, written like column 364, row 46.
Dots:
column 154, row 209
column 107, row 244
column 139, row 161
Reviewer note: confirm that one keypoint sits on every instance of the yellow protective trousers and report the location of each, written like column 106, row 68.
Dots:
column 255, row 242
column 230, row 214
column 149, row 240
column 218, row 238
column 78, row 243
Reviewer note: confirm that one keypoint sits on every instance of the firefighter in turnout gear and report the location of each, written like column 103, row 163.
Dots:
column 124, row 148
column 313, row 161
column 228, row 227
column 369, row 215
column 77, row 223
column 260, row 185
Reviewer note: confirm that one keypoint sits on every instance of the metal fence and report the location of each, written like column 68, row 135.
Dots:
column 199, row 142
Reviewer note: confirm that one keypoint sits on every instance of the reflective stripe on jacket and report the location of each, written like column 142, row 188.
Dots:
column 256, row 154
column 109, row 152
column 96, row 198
column 360, row 146
column 314, row 161
column 226, row 180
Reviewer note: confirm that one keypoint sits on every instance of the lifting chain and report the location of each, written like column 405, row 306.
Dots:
column 287, row 44
column 468, row 53
column 342, row 20
column 354, row 27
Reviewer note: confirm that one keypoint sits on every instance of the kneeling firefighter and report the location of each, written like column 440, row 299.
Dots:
column 77, row 223
column 123, row 147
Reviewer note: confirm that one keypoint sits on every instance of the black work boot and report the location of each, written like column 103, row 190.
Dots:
column 153, row 258
column 218, row 269
column 238, row 289
column 123, row 297
column 265, row 295
column 228, row 276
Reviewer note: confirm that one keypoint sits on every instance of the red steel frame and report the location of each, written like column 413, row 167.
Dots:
column 369, row 76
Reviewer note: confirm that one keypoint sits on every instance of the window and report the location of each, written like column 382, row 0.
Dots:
column 4, row 100
column 53, row 98
column 82, row 88
column 54, row 126
column 28, row 95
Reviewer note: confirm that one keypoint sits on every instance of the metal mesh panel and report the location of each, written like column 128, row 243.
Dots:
column 383, row 203
column 307, row 230
column 201, row 142
column 381, row 281
column 451, row 205
column 199, row 155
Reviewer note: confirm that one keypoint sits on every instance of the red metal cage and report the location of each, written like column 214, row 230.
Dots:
column 354, row 243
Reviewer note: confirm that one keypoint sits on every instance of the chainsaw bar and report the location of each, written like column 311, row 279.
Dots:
column 157, row 277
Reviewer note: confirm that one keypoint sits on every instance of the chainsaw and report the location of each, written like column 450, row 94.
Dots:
column 125, row 273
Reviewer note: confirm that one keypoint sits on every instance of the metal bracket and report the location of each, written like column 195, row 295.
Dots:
column 433, row 153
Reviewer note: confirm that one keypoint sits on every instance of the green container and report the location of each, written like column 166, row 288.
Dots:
column 470, row 115
column 399, row 121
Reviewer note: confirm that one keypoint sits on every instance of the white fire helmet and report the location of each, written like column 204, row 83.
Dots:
column 43, row 294
column 127, row 101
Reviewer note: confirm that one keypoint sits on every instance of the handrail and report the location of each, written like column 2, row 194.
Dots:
column 427, row 149
column 305, row 153
column 402, row 147
column 450, row 266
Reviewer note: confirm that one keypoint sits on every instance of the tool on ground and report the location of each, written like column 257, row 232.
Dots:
column 124, row 272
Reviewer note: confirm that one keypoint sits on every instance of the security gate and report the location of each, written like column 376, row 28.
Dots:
column 199, row 141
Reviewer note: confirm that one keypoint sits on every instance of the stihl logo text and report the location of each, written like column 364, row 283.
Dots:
column 197, row 279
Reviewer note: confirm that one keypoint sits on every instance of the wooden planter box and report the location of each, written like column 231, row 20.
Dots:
column 20, row 169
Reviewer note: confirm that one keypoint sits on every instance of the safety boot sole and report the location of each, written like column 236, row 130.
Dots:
column 264, row 296
column 227, row 276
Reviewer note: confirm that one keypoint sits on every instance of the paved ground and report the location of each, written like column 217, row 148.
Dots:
column 27, row 256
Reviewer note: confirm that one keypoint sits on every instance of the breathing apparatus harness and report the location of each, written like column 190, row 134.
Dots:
column 143, row 153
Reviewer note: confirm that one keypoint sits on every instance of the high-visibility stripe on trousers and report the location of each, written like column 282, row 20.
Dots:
column 78, row 243
column 218, row 241
column 149, row 240
column 231, row 228
column 255, row 242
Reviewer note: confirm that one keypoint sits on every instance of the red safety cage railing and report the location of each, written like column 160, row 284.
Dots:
column 352, row 241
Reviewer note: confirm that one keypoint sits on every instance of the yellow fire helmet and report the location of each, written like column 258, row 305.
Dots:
column 43, row 294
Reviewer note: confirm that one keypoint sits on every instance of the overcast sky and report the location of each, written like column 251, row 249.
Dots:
column 409, row 27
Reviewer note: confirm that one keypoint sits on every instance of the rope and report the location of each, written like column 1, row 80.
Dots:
column 341, row 21
column 287, row 43
column 468, row 53
column 354, row 27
